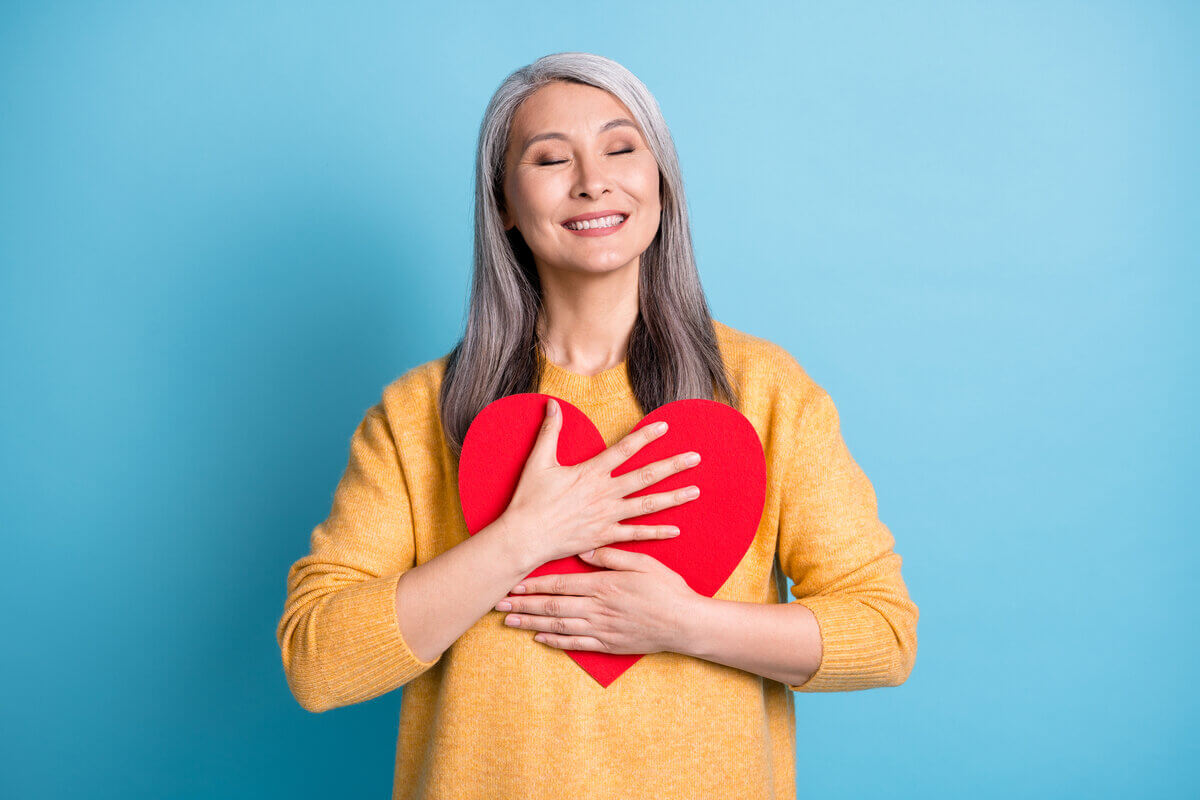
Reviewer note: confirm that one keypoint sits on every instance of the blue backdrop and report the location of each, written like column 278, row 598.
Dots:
column 225, row 227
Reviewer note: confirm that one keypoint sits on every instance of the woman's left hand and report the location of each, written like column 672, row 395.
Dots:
column 637, row 605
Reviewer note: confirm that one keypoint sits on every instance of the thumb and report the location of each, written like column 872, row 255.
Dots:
column 615, row 558
column 545, row 447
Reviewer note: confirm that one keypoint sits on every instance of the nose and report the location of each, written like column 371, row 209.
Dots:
column 591, row 177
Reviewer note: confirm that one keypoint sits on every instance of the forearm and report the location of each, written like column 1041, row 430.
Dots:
column 781, row 641
column 439, row 600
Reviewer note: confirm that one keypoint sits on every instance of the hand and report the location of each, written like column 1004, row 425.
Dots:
column 560, row 511
column 638, row 605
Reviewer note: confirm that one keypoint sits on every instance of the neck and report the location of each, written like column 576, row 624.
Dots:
column 586, row 319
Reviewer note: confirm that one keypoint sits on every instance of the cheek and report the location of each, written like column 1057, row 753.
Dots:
column 647, row 188
column 649, row 194
column 650, row 224
column 535, row 199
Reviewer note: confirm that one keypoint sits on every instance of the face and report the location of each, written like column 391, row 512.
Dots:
column 579, row 162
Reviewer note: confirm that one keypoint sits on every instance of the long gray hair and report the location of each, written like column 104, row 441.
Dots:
column 673, row 353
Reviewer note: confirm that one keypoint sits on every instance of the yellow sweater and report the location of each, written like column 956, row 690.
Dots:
column 499, row 716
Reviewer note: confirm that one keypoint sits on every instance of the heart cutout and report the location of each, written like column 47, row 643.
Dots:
column 716, row 529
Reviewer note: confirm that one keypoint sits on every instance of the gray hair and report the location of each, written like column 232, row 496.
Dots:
column 673, row 352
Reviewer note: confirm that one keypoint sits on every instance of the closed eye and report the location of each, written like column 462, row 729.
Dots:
column 563, row 161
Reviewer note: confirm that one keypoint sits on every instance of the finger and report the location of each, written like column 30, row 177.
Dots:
column 650, row 474
column 571, row 642
column 576, row 583
column 545, row 447
column 563, row 626
column 627, row 445
column 616, row 558
column 633, row 507
column 641, row 533
column 546, row 605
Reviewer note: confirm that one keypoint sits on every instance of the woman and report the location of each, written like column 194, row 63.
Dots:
column 609, row 316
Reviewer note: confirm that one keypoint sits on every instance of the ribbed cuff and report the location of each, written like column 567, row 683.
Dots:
column 855, row 653
column 372, row 657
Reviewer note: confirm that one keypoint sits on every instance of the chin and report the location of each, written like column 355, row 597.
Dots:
column 605, row 267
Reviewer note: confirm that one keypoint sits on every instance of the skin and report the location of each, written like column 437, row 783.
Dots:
column 590, row 299
column 589, row 284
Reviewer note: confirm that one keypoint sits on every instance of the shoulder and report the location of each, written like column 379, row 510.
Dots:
column 419, row 383
column 764, row 369
column 409, row 403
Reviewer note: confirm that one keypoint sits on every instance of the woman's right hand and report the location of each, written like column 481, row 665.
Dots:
column 558, row 511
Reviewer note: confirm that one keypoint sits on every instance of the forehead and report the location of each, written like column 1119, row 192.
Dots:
column 570, row 108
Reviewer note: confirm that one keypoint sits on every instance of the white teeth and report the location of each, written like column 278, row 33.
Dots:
column 602, row 222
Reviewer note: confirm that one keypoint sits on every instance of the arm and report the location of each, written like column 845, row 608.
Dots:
column 852, row 625
column 833, row 545
column 351, row 602
column 778, row 641
column 338, row 635
column 438, row 601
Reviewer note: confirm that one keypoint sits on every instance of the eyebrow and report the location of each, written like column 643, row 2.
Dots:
column 608, row 126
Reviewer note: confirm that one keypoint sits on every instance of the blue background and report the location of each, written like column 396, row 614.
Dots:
column 225, row 227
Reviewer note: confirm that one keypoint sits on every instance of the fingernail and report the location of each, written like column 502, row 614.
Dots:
column 519, row 589
column 691, row 491
column 691, row 458
column 660, row 427
column 551, row 408
column 504, row 605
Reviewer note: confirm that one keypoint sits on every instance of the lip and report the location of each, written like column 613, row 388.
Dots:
column 596, row 231
column 595, row 215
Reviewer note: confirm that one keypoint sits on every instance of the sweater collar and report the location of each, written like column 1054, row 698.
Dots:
column 580, row 389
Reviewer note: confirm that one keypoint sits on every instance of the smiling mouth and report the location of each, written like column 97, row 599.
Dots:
column 600, row 225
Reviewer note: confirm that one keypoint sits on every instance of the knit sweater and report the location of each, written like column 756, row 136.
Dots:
column 498, row 715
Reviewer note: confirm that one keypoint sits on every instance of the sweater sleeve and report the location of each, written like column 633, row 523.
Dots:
column 840, row 557
column 339, row 636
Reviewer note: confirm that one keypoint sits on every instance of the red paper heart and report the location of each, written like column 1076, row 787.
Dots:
column 716, row 529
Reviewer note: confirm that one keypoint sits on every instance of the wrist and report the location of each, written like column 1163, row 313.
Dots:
column 691, row 626
column 511, row 531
